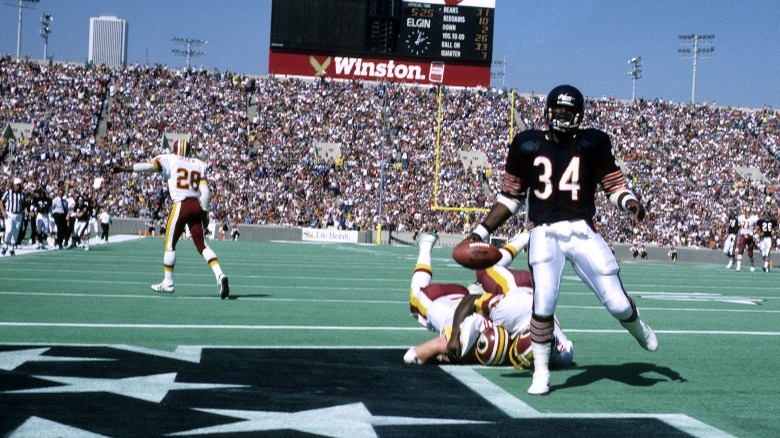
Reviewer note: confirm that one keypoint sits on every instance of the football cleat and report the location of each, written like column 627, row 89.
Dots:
column 540, row 385
column 729, row 265
column 752, row 269
column 643, row 334
column 431, row 238
column 224, row 288
column 163, row 287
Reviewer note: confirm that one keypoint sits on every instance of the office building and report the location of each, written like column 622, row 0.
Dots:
column 107, row 41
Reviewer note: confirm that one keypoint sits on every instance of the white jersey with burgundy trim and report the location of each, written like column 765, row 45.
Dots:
column 747, row 223
column 183, row 175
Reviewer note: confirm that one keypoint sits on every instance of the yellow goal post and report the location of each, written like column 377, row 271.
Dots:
column 436, row 206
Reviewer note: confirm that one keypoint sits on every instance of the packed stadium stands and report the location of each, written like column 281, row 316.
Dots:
column 682, row 159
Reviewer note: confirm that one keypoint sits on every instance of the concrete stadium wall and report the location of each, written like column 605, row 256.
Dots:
column 294, row 234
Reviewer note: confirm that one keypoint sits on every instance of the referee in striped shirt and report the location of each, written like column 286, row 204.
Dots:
column 13, row 208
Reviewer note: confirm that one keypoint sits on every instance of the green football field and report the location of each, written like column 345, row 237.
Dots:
column 312, row 338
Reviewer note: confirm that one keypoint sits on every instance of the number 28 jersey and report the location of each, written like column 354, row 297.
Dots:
column 183, row 175
column 561, row 180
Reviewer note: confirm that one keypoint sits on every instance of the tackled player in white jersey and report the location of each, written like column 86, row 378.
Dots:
column 507, row 299
column 187, row 179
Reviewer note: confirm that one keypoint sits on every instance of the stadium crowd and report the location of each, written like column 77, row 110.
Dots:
column 260, row 136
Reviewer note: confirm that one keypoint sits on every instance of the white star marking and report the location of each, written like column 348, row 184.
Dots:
column 346, row 421
column 36, row 427
column 149, row 388
column 10, row 360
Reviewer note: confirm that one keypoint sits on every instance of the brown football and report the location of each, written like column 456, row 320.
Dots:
column 476, row 255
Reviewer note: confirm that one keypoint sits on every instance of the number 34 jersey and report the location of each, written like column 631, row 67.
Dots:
column 561, row 179
column 183, row 175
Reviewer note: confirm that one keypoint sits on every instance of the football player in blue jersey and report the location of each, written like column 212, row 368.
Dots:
column 556, row 173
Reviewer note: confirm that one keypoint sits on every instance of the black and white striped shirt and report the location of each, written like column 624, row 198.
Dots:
column 13, row 201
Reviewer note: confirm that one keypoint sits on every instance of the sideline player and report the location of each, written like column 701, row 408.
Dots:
column 766, row 228
column 82, row 212
column 558, row 171
column 732, row 226
column 189, row 189
column 747, row 223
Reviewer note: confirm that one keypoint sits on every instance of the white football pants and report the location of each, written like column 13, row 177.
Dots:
column 590, row 256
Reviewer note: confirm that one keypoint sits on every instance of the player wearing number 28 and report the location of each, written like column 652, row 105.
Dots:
column 557, row 173
column 189, row 189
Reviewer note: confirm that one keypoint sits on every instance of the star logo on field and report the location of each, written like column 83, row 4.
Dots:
column 10, row 360
column 36, row 426
column 345, row 421
column 152, row 388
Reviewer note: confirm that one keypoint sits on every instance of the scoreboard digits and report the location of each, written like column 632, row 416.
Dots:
column 444, row 32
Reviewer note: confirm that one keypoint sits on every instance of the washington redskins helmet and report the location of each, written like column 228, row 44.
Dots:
column 181, row 148
column 520, row 354
column 565, row 106
column 493, row 345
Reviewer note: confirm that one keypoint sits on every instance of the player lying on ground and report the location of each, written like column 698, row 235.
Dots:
column 495, row 316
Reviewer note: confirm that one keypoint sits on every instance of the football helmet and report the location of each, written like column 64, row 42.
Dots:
column 520, row 354
column 565, row 106
column 493, row 345
column 181, row 148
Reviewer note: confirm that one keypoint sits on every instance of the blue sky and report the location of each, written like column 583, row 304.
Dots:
column 586, row 43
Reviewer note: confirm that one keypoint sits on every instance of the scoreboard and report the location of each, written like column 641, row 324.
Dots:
column 447, row 31
column 435, row 41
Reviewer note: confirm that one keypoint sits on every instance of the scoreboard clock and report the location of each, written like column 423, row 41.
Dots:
column 448, row 30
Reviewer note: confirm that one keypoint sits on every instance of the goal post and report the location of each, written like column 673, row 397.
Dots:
column 437, row 161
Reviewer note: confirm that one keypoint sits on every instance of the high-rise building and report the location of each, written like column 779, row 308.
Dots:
column 107, row 41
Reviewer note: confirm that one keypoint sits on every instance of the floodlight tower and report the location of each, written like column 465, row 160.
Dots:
column 696, row 51
column 21, row 4
column 46, row 19
column 189, row 51
column 636, row 73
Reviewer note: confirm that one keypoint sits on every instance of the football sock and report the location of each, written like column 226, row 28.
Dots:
column 169, row 261
column 211, row 258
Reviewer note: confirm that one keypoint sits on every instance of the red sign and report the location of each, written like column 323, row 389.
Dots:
column 372, row 69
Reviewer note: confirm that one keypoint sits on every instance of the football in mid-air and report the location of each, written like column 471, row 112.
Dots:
column 520, row 354
column 476, row 255
column 492, row 346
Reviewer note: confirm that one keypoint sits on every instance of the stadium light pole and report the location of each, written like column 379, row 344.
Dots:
column 696, row 51
column 636, row 73
column 22, row 4
column 188, row 51
column 46, row 19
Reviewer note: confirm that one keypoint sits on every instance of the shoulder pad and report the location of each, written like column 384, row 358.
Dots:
column 592, row 138
column 528, row 141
